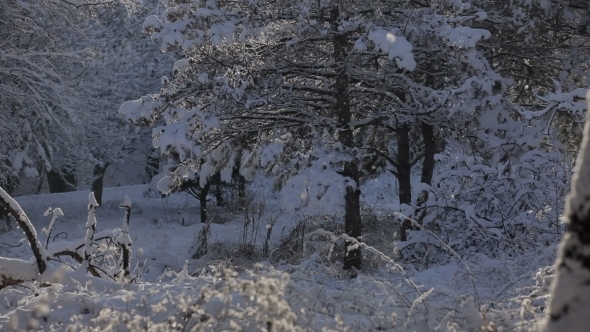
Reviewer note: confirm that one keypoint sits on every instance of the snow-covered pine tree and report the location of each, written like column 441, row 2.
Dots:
column 292, row 85
column 505, row 138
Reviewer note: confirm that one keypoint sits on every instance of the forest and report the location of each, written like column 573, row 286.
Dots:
column 305, row 165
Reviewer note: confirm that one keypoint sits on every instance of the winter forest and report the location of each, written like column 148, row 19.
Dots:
column 303, row 165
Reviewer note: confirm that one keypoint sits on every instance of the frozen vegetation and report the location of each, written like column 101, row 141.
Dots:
column 257, row 165
column 299, row 284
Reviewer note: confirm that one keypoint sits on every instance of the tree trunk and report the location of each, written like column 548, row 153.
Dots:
column 203, row 200
column 62, row 180
column 428, row 161
column 570, row 294
column 41, row 179
column 352, row 217
column 352, row 213
column 9, row 186
column 427, row 165
column 219, row 201
column 98, row 181
column 152, row 167
column 239, row 180
column 404, row 168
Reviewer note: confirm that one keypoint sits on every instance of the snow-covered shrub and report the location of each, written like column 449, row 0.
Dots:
column 201, row 245
column 500, row 210
column 310, row 235
column 101, row 255
column 178, row 302
column 254, row 210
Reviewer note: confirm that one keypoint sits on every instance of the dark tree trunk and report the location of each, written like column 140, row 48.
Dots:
column 152, row 167
column 404, row 168
column 240, row 181
column 427, row 165
column 352, row 213
column 41, row 179
column 428, row 161
column 98, row 181
column 203, row 201
column 352, row 217
column 61, row 181
column 219, row 195
column 9, row 187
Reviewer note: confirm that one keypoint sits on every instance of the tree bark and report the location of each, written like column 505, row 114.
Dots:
column 427, row 165
column 62, row 180
column 240, row 181
column 570, row 294
column 98, row 181
column 219, row 201
column 25, row 224
column 9, row 186
column 352, row 213
column 203, row 201
column 41, row 179
column 404, row 168
column 428, row 161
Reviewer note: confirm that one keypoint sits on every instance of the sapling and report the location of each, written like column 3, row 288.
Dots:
column 123, row 240
column 57, row 212
column 90, row 229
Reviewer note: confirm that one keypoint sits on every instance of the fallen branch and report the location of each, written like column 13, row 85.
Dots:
column 16, row 271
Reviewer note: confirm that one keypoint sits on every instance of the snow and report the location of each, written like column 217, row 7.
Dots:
column 318, row 188
column 135, row 110
column 165, row 184
column 222, row 32
column 24, row 222
column 480, row 256
column 56, row 213
column 226, row 173
column 206, row 171
column 181, row 65
column 271, row 152
column 397, row 47
column 126, row 202
column 360, row 45
column 462, row 36
column 371, row 298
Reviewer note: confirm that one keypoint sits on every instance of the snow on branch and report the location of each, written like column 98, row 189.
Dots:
column 91, row 260
column 25, row 224
column 57, row 212
column 90, row 228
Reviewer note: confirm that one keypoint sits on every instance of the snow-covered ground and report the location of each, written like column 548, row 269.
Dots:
column 304, row 289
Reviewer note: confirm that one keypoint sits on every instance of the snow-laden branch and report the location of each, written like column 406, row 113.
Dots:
column 57, row 212
column 16, row 271
column 25, row 224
